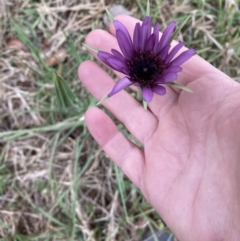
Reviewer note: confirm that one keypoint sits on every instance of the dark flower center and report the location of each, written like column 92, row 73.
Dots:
column 145, row 68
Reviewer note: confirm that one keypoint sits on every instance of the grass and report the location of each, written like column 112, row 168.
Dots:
column 55, row 181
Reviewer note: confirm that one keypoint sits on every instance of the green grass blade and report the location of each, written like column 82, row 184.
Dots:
column 110, row 16
column 121, row 187
column 65, row 96
column 148, row 9
column 176, row 32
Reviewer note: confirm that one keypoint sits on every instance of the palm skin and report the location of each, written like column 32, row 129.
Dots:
column 189, row 168
column 191, row 173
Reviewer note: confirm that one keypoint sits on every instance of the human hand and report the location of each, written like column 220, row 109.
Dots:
column 189, row 168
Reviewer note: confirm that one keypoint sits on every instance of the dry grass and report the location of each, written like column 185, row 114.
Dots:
column 55, row 182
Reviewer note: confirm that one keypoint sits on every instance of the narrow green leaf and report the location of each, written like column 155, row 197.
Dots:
column 65, row 96
column 177, row 85
column 27, row 133
column 39, row 209
column 202, row 50
column 73, row 50
column 140, row 5
column 110, row 16
column 179, row 29
column 25, row 39
column 122, row 189
column 148, row 9
column 91, row 48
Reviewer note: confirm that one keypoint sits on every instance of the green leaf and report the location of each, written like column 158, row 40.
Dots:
column 65, row 96
column 179, row 29
column 91, row 48
column 140, row 5
column 32, row 47
column 202, row 50
column 148, row 9
column 110, row 16
column 179, row 86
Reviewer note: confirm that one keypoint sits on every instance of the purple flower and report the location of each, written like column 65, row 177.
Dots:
column 145, row 60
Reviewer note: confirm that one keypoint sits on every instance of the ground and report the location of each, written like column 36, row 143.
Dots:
column 55, row 182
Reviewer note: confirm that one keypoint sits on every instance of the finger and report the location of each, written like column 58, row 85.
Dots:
column 194, row 68
column 122, row 151
column 139, row 122
column 105, row 42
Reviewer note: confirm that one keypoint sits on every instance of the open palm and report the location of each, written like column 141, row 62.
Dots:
column 189, row 168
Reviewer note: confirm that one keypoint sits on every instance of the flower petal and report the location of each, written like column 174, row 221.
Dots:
column 173, row 69
column 147, row 93
column 150, row 42
column 174, row 51
column 183, row 57
column 120, row 85
column 156, row 32
column 124, row 44
column 119, row 26
column 146, row 31
column 118, row 55
column 103, row 57
column 166, row 35
column 137, row 37
column 118, row 65
column 164, row 52
column 160, row 90
column 167, row 77
column 160, row 80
